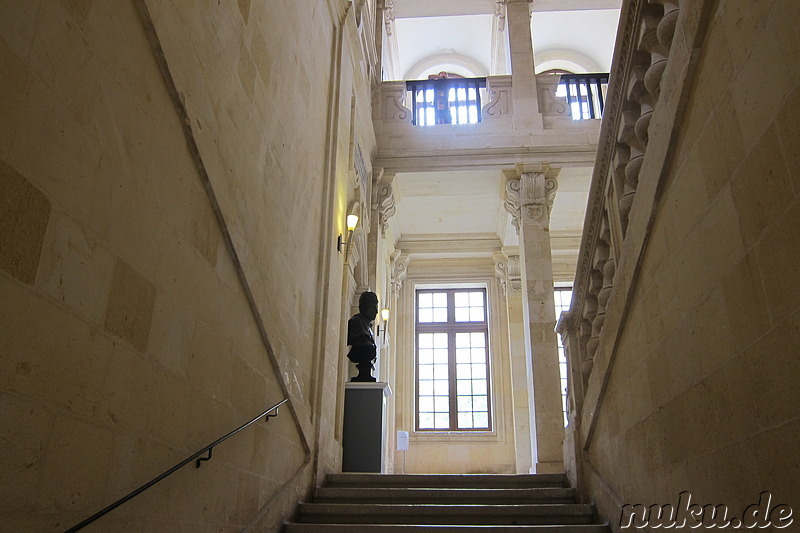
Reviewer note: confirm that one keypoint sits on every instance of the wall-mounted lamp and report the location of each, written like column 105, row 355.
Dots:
column 352, row 222
column 384, row 319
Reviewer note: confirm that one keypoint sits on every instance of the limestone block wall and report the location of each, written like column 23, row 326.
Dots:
column 702, row 394
column 167, row 236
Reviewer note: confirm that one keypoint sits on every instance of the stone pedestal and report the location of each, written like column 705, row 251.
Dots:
column 364, row 433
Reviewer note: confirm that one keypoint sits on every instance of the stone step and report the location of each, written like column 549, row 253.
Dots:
column 536, row 514
column 443, row 495
column 488, row 481
column 428, row 528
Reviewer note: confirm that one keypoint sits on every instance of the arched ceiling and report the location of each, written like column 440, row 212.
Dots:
column 466, row 35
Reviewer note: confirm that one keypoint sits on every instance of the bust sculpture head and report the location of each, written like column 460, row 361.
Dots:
column 368, row 305
column 363, row 350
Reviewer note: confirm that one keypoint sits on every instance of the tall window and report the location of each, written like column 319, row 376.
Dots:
column 452, row 360
column 563, row 297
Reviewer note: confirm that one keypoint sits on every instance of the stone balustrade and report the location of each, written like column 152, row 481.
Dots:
column 642, row 54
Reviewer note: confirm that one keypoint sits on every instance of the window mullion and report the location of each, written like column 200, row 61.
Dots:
column 451, row 370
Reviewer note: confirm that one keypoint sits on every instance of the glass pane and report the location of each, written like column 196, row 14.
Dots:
column 441, row 387
column 476, row 314
column 476, row 299
column 442, row 420
column 479, row 403
column 440, row 340
column 426, row 420
column 464, row 386
column 442, row 404
column 479, row 386
column 440, row 357
column 462, row 314
column 478, row 355
column 426, row 388
column 465, row 421
column 440, row 371
column 426, row 404
column 463, row 372
column 480, row 420
column 478, row 371
column 463, row 356
column 439, row 314
column 478, row 340
column 462, row 340
column 425, row 340
column 461, row 299
column 440, row 299
column 425, row 357
column 425, row 372
column 425, row 299
column 465, row 403
column 426, row 315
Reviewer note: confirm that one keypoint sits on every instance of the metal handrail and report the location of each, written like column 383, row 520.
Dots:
column 194, row 457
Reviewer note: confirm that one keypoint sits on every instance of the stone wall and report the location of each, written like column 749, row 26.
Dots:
column 702, row 393
column 168, row 182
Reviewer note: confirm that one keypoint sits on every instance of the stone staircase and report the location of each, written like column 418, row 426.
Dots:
column 376, row 503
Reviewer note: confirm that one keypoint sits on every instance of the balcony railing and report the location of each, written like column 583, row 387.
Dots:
column 446, row 101
column 585, row 94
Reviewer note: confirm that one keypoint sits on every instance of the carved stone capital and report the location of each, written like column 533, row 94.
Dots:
column 530, row 196
column 507, row 270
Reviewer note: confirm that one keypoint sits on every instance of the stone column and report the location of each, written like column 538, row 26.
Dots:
column 523, row 78
column 507, row 268
column 529, row 199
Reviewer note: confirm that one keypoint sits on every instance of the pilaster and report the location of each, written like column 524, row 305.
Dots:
column 523, row 78
column 507, row 269
column 529, row 200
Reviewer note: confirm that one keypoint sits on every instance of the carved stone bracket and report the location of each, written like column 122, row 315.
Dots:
column 550, row 104
column 399, row 270
column 507, row 270
column 388, row 16
column 500, row 14
column 386, row 207
column 394, row 95
column 499, row 89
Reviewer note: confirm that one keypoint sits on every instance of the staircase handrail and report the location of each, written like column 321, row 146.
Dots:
column 194, row 457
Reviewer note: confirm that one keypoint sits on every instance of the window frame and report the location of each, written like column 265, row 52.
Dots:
column 451, row 328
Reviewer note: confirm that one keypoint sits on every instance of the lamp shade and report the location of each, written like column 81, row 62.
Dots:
column 352, row 222
column 384, row 314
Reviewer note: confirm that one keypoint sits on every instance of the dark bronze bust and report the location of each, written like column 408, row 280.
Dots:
column 360, row 338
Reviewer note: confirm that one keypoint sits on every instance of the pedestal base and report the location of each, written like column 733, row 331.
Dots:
column 364, row 433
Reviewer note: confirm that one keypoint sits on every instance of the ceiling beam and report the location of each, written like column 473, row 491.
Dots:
column 446, row 8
